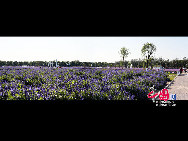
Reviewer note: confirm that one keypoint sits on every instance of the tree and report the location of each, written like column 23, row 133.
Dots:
column 147, row 50
column 121, row 63
column 124, row 52
column 2, row 63
column 129, row 64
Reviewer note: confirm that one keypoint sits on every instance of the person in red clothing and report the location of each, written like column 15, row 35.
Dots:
column 181, row 70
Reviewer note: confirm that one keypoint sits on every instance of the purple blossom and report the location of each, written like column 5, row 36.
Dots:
column 77, row 83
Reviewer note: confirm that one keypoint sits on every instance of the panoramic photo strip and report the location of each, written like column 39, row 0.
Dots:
column 94, row 68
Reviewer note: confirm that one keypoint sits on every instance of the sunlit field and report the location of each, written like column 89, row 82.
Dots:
column 43, row 83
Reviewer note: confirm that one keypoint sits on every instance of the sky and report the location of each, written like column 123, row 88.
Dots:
column 88, row 49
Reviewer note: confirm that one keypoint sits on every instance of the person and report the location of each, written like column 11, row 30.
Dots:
column 181, row 70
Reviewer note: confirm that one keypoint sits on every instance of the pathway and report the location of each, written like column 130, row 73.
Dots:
column 180, row 87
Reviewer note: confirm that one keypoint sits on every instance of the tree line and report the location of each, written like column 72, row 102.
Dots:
column 136, row 63
column 60, row 63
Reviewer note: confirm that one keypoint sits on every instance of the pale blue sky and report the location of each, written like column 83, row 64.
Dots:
column 91, row 49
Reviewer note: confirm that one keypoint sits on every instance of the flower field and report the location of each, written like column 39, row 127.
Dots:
column 18, row 83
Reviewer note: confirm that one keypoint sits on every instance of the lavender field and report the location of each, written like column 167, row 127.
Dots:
column 35, row 83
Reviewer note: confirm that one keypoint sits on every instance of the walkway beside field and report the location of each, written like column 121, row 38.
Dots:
column 180, row 87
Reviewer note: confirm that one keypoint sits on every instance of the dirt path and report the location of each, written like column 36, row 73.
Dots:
column 180, row 87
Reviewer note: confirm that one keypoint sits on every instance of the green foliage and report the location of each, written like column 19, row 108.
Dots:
column 147, row 50
column 124, row 52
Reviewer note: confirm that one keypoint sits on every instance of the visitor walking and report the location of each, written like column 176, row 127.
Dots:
column 181, row 70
